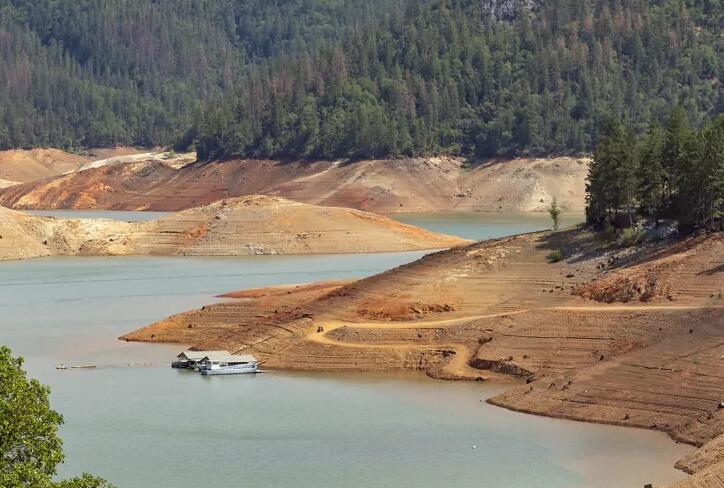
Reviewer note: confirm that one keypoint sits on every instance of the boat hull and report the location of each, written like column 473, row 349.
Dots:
column 220, row 372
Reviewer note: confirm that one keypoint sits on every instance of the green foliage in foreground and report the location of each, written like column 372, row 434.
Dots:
column 672, row 171
column 30, row 449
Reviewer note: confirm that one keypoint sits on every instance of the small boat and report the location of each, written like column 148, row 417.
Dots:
column 228, row 364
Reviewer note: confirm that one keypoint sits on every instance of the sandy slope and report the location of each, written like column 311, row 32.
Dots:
column 175, row 161
column 21, row 165
column 398, row 185
column 242, row 226
column 498, row 309
column 6, row 183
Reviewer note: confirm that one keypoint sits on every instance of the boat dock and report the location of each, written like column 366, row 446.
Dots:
column 212, row 363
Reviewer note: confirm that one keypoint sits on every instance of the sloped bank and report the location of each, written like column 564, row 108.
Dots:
column 500, row 310
column 433, row 184
column 242, row 226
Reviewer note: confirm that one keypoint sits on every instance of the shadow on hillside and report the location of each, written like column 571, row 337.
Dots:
column 580, row 244
column 713, row 271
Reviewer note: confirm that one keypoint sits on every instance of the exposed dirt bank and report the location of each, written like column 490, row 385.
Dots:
column 242, row 226
column 383, row 186
column 18, row 166
column 499, row 309
column 23, row 166
column 6, row 183
column 706, row 465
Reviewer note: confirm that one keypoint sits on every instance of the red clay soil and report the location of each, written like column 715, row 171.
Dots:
column 383, row 186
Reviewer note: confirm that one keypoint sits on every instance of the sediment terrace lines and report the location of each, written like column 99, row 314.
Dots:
column 384, row 186
column 242, row 226
column 497, row 310
column 654, row 387
column 634, row 308
column 460, row 362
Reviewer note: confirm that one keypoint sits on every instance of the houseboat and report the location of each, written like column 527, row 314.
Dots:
column 221, row 364
column 190, row 359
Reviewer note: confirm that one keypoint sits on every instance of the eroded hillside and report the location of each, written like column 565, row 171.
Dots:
column 500, row 309
column 393, row 185
column 242, row 226
column 23, row 166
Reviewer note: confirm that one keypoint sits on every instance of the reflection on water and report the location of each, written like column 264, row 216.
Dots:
column 154, row 426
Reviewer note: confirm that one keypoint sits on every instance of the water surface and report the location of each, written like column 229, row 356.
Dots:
column 470, row 225
column 124, row 215
column 143, row 426
column 485, row 225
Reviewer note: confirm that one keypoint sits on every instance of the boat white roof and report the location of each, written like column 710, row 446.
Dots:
column 199, row 355
column 231, row 358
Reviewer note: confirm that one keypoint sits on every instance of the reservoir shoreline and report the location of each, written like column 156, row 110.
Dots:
column 144, row 287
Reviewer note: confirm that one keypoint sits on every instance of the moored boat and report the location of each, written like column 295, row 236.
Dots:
column 190, row 359
column 224, row 364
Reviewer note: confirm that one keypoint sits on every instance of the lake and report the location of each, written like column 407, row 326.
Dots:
column 485, row 225
column 470, row 225
column 138, row 423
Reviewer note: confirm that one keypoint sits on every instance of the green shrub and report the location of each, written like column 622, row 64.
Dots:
column 609, row 230
column 631, row 237
column 555, row 256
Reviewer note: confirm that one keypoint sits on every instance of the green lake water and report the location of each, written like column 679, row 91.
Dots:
column 150, row 426
column 485, row 225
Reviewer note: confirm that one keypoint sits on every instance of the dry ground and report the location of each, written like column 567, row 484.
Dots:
column 650, row 357
column 23, row 166
column 241, row 226
column 383, row 186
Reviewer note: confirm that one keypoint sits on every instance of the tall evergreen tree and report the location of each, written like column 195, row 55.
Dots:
column 652, row 176
column 623, row 179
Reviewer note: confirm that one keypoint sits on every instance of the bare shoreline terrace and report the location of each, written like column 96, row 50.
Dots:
column 253, row 225
column 605, row 335
column 414, row 430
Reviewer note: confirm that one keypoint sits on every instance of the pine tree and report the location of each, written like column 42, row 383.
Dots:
column 652, row 175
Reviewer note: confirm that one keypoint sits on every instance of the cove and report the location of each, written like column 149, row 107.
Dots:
column 149, row 425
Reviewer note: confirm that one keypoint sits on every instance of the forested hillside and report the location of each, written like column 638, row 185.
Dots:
column 671, row 171
column 101, row 72
column 353, row 78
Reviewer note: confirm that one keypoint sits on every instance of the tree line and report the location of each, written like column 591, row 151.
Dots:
column 671, row 171
column 448, row 77
column 352, row 78
column 139, row 72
